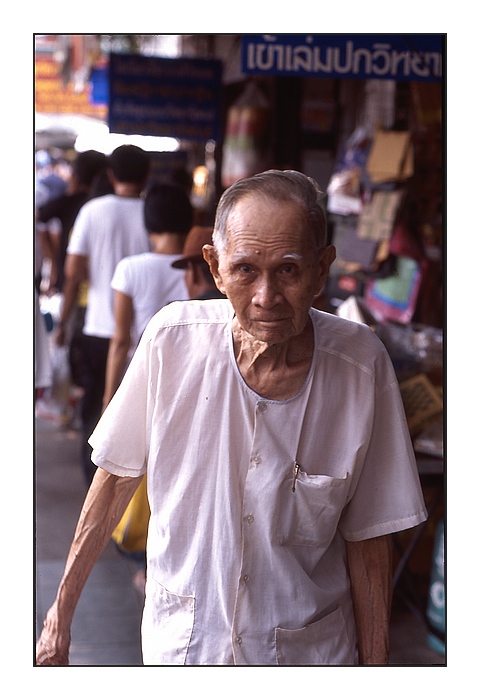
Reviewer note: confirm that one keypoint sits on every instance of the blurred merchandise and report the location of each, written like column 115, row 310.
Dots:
column 378, row 216
column 414, row 348
column 422, row 402
column 344, row 189
column 394, row 298
column 436, row 597
column 430, row 440
column 245, row 146
column 354, row 309
column 391, row 157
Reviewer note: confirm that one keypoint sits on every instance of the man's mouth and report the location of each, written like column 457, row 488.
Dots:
column 270, row 321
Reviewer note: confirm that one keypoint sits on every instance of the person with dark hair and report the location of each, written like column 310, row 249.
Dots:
column 143, row 284
column 56, row 218
column 276, row 452
column 107, row 229
column 129, row 164
column 55, row 222
column 101, row 184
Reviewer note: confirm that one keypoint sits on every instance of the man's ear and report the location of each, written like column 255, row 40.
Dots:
column 210, row 255
column 326, row 259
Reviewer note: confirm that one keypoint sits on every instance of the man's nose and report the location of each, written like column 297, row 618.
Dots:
column 267, row 294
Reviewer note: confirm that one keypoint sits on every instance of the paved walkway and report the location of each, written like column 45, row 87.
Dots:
column 106, row 625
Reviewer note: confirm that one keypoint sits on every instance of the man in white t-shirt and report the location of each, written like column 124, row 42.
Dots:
column 106, row 229
column 277, row 455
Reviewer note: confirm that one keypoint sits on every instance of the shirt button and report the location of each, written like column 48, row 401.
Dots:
column 246, row 578
column 261, row 406
column 256, row 459
column 249, row 519
column 238, row 639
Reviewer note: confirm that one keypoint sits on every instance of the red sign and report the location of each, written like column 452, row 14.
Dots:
column 52, row 97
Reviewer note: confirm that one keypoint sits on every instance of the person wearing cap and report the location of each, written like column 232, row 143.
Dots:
column 198, row 278
column 277, row 456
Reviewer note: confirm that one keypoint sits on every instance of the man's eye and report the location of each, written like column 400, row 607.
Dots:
column 244, row 268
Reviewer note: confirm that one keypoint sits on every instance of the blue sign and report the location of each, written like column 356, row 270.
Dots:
column 410, row 57
column 176, row 97
column 99, row 86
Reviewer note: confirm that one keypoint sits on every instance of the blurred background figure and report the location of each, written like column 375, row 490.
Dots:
column 54, row 223
column 107, row 229
column 43, row 364
column 143, row 283
column 198, row 278
column 57, row 216
column 52, row 172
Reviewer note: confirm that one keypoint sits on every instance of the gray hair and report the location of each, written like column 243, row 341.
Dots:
column 280, row 185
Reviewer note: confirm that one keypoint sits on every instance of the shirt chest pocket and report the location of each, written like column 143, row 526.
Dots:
column 308, row 516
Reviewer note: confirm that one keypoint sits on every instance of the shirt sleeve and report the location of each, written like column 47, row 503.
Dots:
column 121, row 280
column 79, row 240
column 388, row 496
column 121, row 438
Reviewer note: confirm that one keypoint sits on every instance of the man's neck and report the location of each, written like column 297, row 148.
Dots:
column 167, row 243
column 127, row 189
column 276, row 371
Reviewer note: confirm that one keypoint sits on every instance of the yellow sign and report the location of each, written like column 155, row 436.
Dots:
column 52, row 97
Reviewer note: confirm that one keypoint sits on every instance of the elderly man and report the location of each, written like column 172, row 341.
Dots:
column 277, row 457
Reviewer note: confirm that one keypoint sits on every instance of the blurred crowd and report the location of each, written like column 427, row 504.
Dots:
column 111, row 248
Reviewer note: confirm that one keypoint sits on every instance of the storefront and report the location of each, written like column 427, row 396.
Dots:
column 363, row 115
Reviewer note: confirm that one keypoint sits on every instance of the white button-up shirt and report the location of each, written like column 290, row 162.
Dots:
column 252, row 499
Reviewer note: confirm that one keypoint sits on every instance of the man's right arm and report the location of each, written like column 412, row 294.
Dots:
column 76, row 271
column 104, row 505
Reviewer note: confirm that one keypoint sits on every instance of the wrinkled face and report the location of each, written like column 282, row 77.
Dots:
column 269, row 269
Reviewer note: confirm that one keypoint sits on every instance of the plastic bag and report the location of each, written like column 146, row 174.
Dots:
column 345, row 187
column 130, row 535
column 55, row 403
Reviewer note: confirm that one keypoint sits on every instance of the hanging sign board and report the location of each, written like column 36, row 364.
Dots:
column 412, row 57
column 176, row 97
